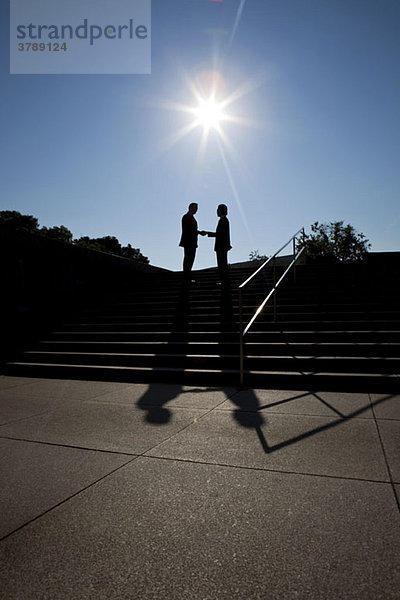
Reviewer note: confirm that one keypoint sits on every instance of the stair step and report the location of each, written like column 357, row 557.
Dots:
column 201, row 318
column 360, row 382
column 228, row 347
column 333, row 328
column 213, row 361
column 315, row 336
column 261, row 326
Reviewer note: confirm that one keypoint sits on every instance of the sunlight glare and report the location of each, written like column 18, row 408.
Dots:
column 210, row 110
column 209, row 114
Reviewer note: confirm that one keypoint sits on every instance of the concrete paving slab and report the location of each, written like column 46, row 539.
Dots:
column 100, row 426
column 290, row 443
column 8, row 382
column 390, row 433
column 331, row 404
column 66, row 389
column 36, row 477
column 16, row 406
column 386, row 406
column 34, row 397
column 154, row 395
column 397, row 490
column 160, row 529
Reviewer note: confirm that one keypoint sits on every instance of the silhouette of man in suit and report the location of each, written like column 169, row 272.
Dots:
column 222, row 242
column 188, row 240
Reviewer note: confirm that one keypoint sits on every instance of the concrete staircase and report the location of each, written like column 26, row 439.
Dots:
column 334, row 330
column 337, row 328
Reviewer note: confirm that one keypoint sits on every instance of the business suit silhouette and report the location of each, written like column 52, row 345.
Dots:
column 188, row 239
column 222, row 242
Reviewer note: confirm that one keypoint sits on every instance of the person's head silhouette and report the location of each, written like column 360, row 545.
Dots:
column 222, row 210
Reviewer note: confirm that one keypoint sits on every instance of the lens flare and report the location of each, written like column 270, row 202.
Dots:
column 210, row 110
column 209, row 114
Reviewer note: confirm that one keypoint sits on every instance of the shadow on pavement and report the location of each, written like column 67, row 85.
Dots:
column 247, row 412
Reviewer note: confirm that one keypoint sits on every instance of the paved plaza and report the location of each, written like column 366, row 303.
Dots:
column 156, row 491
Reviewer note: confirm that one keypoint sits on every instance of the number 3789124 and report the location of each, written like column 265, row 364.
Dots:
column 42, row 47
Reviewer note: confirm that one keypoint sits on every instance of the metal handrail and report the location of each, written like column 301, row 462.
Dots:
column 241, row 286
column 244, row 330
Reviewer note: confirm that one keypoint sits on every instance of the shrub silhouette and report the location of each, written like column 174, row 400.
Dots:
column 13, row 221
column 334, row 242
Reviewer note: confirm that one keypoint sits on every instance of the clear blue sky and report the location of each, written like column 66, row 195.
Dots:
column 89, row 151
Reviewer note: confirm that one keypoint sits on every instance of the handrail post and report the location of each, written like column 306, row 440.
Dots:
column 241, row 337
column 244, row 330
column 274, row 267
column 294, row 256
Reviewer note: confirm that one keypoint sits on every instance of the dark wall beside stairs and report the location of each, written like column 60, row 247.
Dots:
column 42, row 279
column 374, row 276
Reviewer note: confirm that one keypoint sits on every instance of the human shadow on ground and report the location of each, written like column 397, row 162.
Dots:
column 157, row 395
column 247, row 410
column 176, row 345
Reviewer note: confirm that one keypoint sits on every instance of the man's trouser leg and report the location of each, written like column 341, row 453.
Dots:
column 188, row 260
column 222, row 262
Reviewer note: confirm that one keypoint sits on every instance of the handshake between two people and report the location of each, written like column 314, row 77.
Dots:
column 208, row 233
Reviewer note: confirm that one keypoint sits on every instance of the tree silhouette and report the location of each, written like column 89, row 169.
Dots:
column 255, row 256
column 12, row 221
column 334, row 242
column 112, row 246
column 57, row 233
column 133, row 253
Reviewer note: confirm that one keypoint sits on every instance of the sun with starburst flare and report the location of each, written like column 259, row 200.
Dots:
column 210, row 110
column 209, row 114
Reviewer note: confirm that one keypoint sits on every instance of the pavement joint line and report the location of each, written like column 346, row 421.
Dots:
column 237, row 391
column 19, row 384
column 128, row 385
column 263, row 469
column 333, row 422
column 302, row 395
column 218, row 409
column 18, row 439
column 66, row 500
column 144, row 454
column 285, row 414
column 186, row 426
column 23, row 419
column 396, row 497
column 172, row 435
column 112, row 451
